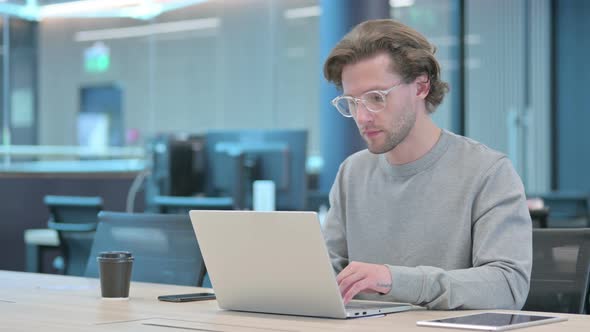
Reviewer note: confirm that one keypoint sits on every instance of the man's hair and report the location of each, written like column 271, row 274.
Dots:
column 411, row 55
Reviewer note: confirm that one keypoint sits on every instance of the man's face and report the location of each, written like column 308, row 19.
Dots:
column 384, row 130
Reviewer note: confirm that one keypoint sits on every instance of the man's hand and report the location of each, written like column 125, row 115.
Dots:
column 360, row 277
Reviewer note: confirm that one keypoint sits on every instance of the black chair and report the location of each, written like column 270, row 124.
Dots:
column 539, row 217
column 561, row 271
column 182, row 204
column 165, row 247
column 74, row 218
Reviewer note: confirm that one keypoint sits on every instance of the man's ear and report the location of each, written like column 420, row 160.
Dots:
column 423, row 86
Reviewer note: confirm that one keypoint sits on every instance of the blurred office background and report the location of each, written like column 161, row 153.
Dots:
column 116, row 99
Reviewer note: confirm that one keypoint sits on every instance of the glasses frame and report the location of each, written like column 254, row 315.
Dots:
column 355, row 100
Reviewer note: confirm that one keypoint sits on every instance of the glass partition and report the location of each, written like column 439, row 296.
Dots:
column 113, row 74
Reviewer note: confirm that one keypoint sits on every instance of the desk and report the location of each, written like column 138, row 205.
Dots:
column 44, row 302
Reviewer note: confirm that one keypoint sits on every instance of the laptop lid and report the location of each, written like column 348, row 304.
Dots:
column 272, row 262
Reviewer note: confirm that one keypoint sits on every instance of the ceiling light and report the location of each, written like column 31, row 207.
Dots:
column 302, row 12
column 84, row 6
column 147, row 30
column 401, row 3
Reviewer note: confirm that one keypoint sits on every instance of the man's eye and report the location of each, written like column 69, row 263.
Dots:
column 374, row 98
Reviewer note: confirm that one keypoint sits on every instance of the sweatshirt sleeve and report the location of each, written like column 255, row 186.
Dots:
column 501, row 254
column 334, row 228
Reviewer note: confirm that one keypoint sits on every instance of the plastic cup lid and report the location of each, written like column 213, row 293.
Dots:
column 117, row 255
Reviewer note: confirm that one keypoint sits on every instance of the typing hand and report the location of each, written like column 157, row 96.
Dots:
column 360, row 277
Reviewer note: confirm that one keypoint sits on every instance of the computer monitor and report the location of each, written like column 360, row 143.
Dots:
column 236, row 158
column 177, row 165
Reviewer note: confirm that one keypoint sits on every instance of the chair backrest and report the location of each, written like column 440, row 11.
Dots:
column 539, row 217
column 74, row 218
column 164, row 247
column 182, row 205
column 561, row 270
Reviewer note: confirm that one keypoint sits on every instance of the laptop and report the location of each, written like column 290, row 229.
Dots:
column 274, row 262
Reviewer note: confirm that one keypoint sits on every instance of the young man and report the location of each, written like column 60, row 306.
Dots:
column 424, row 216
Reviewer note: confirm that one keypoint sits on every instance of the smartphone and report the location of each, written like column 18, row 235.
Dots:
column 187, row 297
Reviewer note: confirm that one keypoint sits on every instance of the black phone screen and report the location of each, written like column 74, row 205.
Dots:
column 187, row 297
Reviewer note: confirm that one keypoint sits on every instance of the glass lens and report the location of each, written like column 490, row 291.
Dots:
column 345, row 105
column 374, row 101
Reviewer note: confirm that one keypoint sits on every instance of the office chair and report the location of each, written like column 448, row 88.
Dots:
column 165, row 247
column 181, row 205
column 74, row 218
column 561, row 271
column 539, row 217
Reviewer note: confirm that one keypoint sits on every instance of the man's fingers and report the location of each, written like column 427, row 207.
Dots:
column 348, row 281
column 360, row 277
column 356, row 288
column 347, row 271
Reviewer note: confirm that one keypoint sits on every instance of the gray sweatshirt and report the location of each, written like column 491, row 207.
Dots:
column 453, row 227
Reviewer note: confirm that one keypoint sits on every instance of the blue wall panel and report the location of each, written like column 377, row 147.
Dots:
column 573, row 98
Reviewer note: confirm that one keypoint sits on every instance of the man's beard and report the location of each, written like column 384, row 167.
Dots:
column 395, row 136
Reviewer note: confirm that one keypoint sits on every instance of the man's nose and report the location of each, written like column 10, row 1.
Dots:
column 363, row 115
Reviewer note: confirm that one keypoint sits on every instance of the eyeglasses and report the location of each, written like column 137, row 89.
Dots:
column 374, row 101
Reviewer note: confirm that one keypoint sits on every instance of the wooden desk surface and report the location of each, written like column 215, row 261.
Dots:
column 43, row 302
